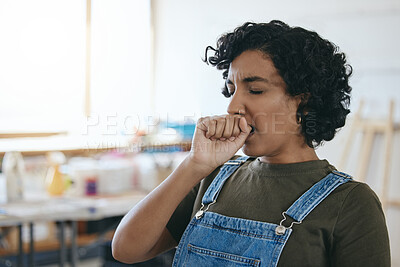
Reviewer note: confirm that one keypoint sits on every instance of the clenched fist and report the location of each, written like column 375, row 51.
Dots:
column 217, row 139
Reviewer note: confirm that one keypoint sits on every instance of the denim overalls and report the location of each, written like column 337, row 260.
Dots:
column 212, row 239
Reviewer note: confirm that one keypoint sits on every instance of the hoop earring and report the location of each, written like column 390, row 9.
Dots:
column 299, row 120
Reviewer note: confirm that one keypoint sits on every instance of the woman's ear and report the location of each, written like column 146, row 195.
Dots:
column 301, row 104
column 302, row 100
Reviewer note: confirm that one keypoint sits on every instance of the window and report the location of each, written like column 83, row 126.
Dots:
column 43, row 64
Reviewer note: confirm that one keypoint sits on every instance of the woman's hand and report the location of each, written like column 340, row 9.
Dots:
column 142, row 233
column 216, row 140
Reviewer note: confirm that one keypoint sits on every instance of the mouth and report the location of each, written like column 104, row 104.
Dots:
column 252, row 130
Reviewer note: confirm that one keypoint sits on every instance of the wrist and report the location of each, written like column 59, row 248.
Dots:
column 200, row 169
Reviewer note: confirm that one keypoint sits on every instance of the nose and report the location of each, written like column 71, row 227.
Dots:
column 236, row 107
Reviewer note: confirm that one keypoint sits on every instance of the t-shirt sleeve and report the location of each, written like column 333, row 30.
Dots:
column 182, row 215
column 360, row 237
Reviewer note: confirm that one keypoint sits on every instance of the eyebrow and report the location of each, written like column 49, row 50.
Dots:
column 251, row 79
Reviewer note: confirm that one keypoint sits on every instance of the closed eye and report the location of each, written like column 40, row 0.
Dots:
column 228, row 94
column 256, row 92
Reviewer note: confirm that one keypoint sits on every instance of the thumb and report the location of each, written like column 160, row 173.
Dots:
column 244, row 128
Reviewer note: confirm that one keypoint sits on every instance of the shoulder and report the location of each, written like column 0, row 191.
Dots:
column 353, row 191
column 358, row 194
column 360, row 233
column 360, row 209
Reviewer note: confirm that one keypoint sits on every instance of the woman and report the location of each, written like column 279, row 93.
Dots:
column 281, row 206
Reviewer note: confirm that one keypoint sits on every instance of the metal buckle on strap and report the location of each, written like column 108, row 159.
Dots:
column 340, row 174
column 234, row 162
column 281, row 229
column 200, row 213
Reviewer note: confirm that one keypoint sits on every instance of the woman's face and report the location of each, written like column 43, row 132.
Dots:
column 259, row 92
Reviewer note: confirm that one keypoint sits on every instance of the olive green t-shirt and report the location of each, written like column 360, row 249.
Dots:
column 348, row 228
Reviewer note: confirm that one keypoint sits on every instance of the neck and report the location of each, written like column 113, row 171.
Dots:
column 301, row 154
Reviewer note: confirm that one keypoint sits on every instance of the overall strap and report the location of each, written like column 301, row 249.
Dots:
column 215, row 187
column 316, row 194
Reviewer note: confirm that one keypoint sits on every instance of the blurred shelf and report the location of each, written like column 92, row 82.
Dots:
column 83, row 146
column 7, row 135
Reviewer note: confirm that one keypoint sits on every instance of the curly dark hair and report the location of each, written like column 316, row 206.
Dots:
column 311, row 67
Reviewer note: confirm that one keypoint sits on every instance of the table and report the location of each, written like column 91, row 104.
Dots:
column 62, row 209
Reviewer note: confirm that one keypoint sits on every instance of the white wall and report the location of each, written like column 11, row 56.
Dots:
column 367, row 31
column 364, row 30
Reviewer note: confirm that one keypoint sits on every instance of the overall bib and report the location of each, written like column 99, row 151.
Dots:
column 213, row 239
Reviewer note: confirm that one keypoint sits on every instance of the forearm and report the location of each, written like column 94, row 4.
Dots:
column 141, row 233
column 142, row 227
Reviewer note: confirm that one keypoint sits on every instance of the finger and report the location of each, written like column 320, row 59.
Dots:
column 220, row 127
column 211, row 128
column 230, row 121
column 236, row 129
column 244, row 127
column 202, row 125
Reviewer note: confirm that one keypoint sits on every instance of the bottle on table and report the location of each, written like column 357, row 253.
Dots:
column 13, row 169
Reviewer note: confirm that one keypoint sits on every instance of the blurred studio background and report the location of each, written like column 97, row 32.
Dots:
column 99, row 99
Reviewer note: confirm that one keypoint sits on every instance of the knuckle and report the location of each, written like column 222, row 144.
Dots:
column 226, row 135
column 203, row 119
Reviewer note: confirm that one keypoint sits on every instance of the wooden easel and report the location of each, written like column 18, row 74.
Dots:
column 370, row 128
